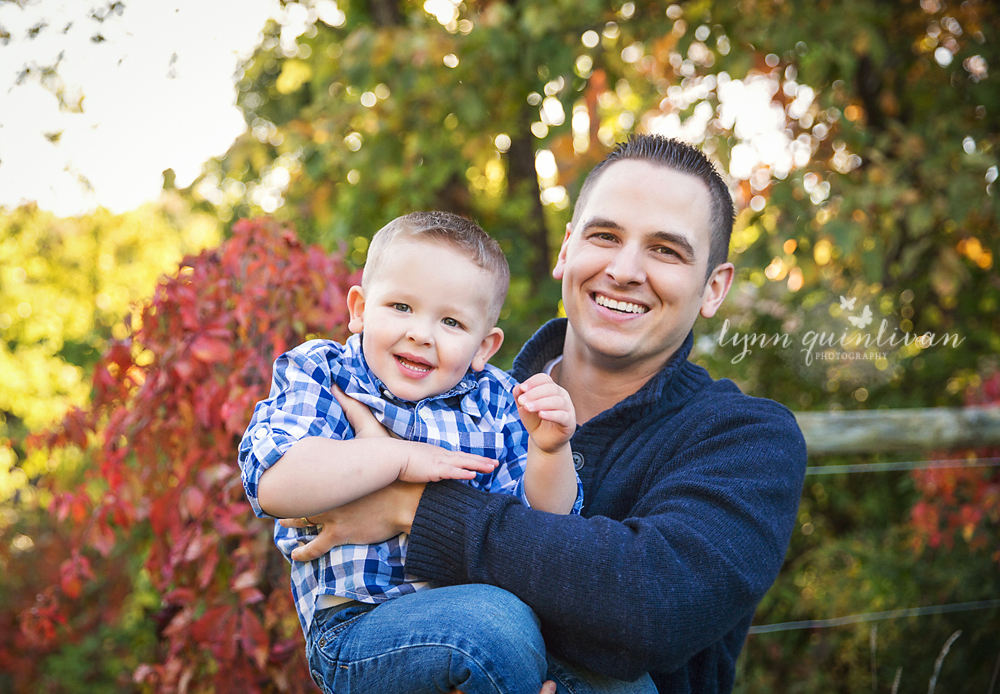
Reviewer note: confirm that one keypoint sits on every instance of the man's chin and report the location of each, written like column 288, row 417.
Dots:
column 609, row 344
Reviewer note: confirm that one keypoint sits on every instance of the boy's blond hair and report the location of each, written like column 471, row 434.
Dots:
column 447, row 229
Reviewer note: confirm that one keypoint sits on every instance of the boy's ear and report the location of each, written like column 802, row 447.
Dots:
column 557, row 271
column 487, row 348
column 356, row 307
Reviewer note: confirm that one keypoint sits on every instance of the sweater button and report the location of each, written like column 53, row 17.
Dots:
column 578, row 460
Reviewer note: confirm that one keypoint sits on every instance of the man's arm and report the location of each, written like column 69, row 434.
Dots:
column 697, row 551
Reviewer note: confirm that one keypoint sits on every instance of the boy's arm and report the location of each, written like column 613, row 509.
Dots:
column 302, row 424
column 318, row 474
column 550, row 480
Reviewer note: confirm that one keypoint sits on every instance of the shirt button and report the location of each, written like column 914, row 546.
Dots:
column 578, row 460
column 260, row 433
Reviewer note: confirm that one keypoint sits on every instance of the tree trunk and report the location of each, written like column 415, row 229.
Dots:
column 522, row 178
column 385, row 13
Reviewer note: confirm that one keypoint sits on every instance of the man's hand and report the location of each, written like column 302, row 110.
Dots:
column 546, row 411
column 367, row 521
column 360, row 417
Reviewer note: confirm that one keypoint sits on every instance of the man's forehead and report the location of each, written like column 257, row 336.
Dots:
column 652, row 185
column 656, row 199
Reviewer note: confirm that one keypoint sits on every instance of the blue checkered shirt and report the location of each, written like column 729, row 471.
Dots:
column 477, row 416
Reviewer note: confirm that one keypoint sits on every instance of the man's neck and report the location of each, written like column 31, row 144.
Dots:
column 596, row 386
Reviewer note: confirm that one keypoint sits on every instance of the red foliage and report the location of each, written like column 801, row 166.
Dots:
column 164, row 482
column 961, row 502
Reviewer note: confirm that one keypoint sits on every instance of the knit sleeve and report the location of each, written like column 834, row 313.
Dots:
column 703, row 536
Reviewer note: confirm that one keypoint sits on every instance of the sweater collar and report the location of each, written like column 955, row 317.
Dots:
column 674, row 381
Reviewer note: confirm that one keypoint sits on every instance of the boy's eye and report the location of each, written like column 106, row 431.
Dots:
column 402, row 307
column 451, row 323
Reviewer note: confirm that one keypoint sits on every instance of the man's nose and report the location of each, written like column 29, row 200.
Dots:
column 626, row 266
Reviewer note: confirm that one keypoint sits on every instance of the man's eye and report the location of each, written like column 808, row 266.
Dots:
column 666, row 250
column 402, row 307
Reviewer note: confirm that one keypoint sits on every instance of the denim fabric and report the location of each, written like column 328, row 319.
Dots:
column 571, row 679
column 476, row 638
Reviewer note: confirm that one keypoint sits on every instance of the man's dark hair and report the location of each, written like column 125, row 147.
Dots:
column 683, row 158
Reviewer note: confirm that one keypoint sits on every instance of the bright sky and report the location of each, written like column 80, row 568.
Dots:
column 158, row 92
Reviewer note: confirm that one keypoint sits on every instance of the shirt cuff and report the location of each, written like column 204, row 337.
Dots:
column 261, row 448
column 436, row 546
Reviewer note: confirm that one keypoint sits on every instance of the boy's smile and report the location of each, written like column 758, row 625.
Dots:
column 425, row 319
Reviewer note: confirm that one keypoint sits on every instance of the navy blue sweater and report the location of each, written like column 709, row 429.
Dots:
column 690, row 494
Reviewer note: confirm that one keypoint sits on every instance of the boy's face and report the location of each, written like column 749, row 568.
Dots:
column 425, row 317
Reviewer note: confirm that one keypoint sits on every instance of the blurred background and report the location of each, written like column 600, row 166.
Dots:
column 139, row 315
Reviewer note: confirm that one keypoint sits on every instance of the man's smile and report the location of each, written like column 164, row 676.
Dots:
column 620, row 306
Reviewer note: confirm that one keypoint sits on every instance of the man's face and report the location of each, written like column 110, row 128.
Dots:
column 425, row 317
column 633, row 269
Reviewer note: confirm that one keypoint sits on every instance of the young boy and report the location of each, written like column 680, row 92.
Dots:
column 424, row 320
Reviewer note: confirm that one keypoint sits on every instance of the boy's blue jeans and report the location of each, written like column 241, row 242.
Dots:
column 476, row 638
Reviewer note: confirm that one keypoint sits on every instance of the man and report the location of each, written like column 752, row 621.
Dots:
column 690, row 487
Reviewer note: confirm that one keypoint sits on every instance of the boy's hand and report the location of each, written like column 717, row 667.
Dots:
column 546, row 411
column 427, row 463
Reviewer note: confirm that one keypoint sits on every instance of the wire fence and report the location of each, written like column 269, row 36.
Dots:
column 874, row 616
column 814, row 470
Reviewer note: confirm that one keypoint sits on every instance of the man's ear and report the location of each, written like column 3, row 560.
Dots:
column 557, row 271
column 716, row 289
column 356, row 307
column 487, row 348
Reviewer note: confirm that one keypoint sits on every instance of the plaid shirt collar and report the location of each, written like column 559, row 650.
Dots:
column 365, row 382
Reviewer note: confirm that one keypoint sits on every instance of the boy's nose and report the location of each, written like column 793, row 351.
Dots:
column 419, row 332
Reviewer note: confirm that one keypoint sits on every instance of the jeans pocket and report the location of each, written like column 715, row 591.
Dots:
column 328, row 626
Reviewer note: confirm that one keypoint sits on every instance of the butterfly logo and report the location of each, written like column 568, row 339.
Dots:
column 861, row 321
column 847, row 304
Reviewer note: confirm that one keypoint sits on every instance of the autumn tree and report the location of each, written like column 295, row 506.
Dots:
column 157, row 531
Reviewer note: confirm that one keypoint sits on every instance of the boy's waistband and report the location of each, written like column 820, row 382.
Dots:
column 324, row 602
